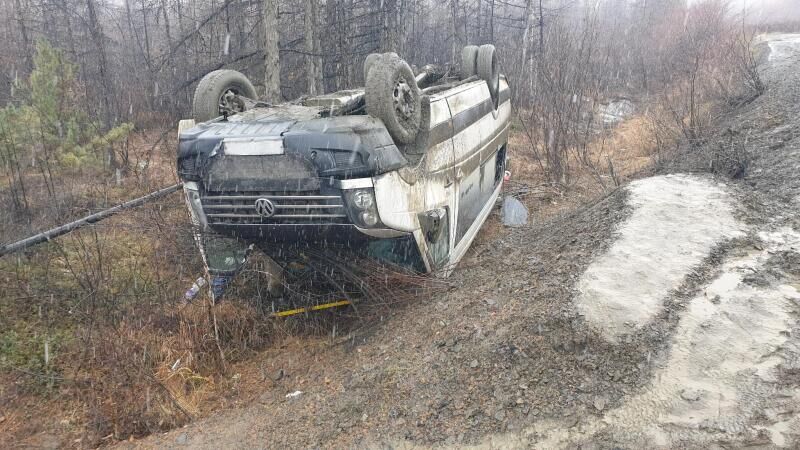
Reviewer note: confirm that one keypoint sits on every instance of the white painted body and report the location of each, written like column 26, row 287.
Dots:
column 448, row 172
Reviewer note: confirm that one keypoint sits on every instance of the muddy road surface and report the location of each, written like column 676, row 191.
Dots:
column 664, row 315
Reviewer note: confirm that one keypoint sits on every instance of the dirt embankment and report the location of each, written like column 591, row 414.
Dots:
column 536, row 346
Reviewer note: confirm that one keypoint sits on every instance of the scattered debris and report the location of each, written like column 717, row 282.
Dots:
column 294, row 395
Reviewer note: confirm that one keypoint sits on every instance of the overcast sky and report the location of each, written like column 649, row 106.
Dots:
column 770, row 10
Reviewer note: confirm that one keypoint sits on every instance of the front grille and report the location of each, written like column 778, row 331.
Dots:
column 347, row 160
column 298, row 208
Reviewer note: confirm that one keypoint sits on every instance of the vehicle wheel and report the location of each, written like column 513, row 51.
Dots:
column 391, row 94
column 216, row 93
column 369, row 62
column 487, row 69
column 469, row 61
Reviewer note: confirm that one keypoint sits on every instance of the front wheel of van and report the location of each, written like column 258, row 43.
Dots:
column 217, row 94
column 391, row 94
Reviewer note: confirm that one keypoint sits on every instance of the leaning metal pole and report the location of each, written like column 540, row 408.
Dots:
column 88, row 220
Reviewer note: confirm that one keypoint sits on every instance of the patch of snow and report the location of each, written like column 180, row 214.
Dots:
column 727, row 348
column 718, row 383
column 616, row 111
column 783, row 46
column 676, row 221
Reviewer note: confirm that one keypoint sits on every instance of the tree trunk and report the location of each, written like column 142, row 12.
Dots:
column 98, row 40
column 526, row 68
column 389, row 36
column 23, row 29
column 272, row 69
column 313, row 64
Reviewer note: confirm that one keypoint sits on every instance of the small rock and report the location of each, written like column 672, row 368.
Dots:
column 500, row 415
column 277, row 375
column 182, row 439
column 490, row 302
column 474, row 363
column 599, row 403
column 571, row 421
column 691, row 395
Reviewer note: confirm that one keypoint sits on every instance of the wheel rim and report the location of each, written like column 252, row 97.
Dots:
column 403, row 100
column 229, row 103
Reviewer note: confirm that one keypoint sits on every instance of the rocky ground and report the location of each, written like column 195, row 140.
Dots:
column 663, row 315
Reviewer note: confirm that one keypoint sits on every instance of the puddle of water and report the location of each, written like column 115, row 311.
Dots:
column 676, row 222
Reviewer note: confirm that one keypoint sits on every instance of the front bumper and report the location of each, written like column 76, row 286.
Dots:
column 309, row 216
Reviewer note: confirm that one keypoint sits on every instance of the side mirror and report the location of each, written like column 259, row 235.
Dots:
column 435, row 226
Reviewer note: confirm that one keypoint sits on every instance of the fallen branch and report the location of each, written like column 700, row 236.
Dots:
column 88, row 220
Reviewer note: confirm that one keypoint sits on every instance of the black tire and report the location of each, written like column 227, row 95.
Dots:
column 469, row 61
column 210, row 90
column 369, row 62
column 391, row 94
column 488, row 71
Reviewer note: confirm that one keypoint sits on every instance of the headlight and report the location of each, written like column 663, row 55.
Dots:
column 362, row 199
column 369, row 218
column 361, row 206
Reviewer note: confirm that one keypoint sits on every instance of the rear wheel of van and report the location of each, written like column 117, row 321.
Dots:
column 469, row 61
column 369, row 62
column 488, row 70
column 217, row 94
column 391, row 94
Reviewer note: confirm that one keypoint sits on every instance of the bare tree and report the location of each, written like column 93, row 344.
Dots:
column 311, row 36
column 272, row 71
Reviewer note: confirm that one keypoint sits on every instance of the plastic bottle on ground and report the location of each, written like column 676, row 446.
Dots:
column 195, row 289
